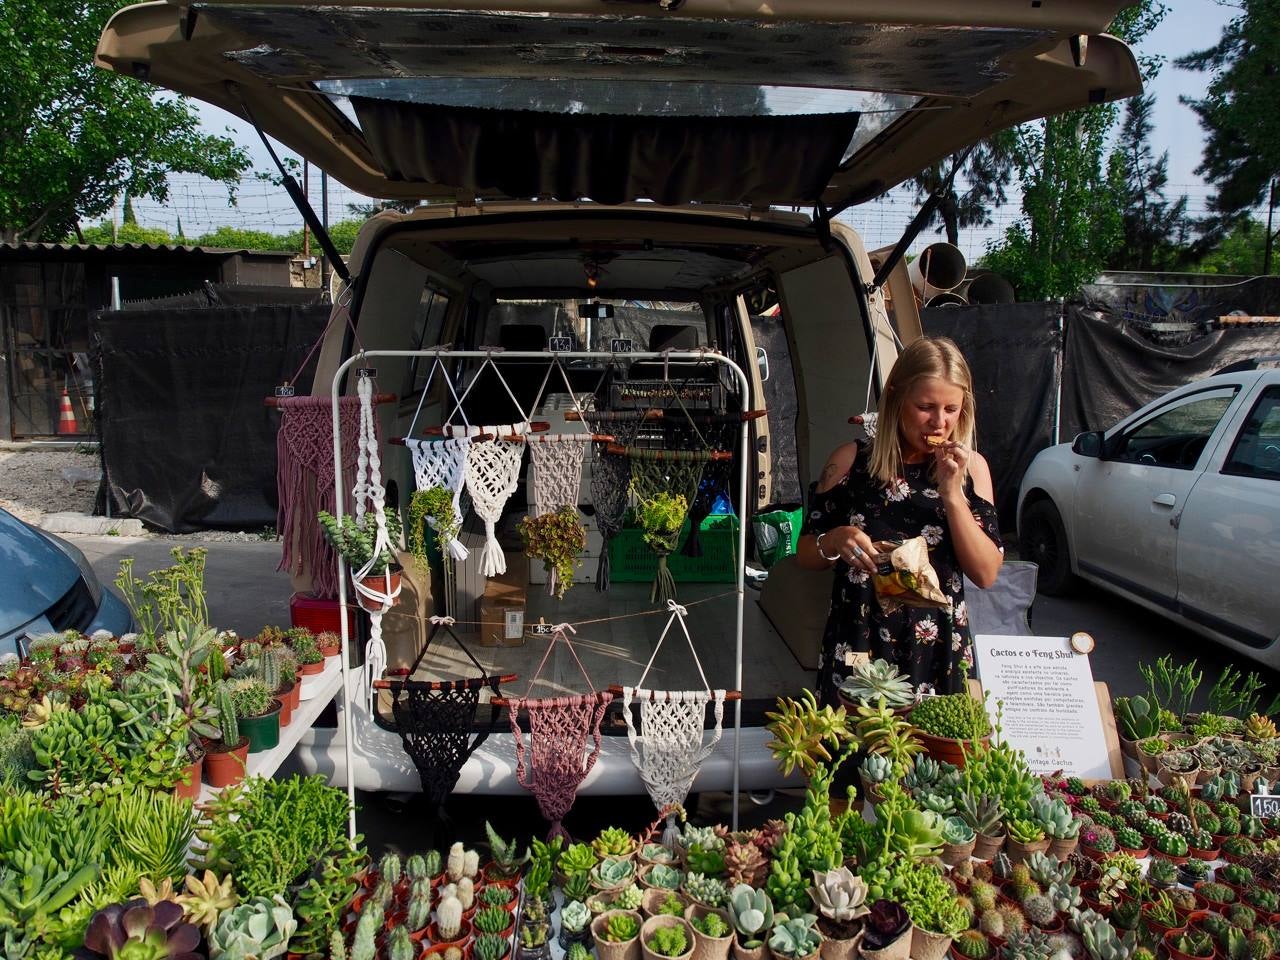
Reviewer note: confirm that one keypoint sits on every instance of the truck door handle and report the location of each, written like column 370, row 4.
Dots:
column 1164, row 500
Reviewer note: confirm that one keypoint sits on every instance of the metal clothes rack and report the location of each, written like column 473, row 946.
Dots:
column 680, row 356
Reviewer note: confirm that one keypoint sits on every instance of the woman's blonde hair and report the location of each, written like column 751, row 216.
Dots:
column 937, row 357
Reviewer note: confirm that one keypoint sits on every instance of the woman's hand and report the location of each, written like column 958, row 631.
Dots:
column 850, row 544
column 952, row 460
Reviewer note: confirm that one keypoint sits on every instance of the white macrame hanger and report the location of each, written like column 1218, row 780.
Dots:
column 670, row 750
column 368, row 490
column 868, row 418
column 557, row 457
column 441, row 463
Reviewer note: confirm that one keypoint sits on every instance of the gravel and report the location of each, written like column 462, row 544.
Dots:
column 36, row 481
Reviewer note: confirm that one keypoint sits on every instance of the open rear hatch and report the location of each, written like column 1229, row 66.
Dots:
column 796, row 103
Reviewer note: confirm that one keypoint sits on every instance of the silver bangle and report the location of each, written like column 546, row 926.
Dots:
column 817, row 544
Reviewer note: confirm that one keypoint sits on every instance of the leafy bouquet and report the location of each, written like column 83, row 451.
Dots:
column 557, row 539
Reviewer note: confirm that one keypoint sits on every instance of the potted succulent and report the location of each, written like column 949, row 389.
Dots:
column 225, row 758
column 712, row 932
column 505, row 859
column 874, row 771
column 307, row 652
column 752, row 914
column 1025, row 838
column 662, row 876
column 840, row 899
column 795, row 938
column 947, row 725
column 876, row 680
column 985, row 817
column 708, row 891
column 150, row 930
column 329, row 642
column 886, row 932
column 575, row 924
column 535, row 930
column 257, row 711
column 658, row 900
column 354, row 540
column 1189, row 945
column 612, row 874
column 972, row 945
column 666, row 938
column 557, row 538
column 1059, row 824
column 497, row 921
column 958, row 841
column 617, row 935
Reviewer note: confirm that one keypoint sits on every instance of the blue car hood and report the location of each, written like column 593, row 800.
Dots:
column 33, row 572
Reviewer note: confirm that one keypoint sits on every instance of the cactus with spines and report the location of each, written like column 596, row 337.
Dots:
column 228, row 725
column 415, row 868
column 983, row 895
column 389, row 868
column 269, row 670
column 385, row 893
column 1014, row 919
column 419, row 912
column 421, row 888
column 470, row 863
column 449, row 918
column 1039, row 910
column 400, row 946
column 454, row 865
column 1021, row 884
column 363, row 944
column 337, row 946
column 973, row 944
column 433, row 859
column 466, row 892
column 991, row 922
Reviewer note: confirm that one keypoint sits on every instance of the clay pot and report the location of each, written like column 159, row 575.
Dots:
column 1138, row 854
column 224, row 768
column 986, row 847
column 927, row 945
column 1168, row 939
column 838, row 948
column 654, row 896
column 310, row 670
column 379, row 582
column 611, row 950
column 948, row 749
column 747, row 953
column 953, row 853
column 1061, row 849
column 286, row 704
column 464, row 934
column 191, row 789
column 331, row 651
column 1018, row 852
column 1159, row 929
column 704, row 947
column 1205, row 855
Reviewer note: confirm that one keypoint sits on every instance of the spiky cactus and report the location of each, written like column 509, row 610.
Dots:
column 269, row 669
column 470, row 863
column 228, row 725
column 991, row 922
column 400, row 946
column 337, row 946
column 433, row 862
column 415, row 868
column 389, row 868
column 419, row 914
column 973, row 944
column 457, row 860
column 1039, row 910
column 449, row 918
column 363, row 944
column 466, row 893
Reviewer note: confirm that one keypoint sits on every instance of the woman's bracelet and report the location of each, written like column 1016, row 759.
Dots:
column 817, row 543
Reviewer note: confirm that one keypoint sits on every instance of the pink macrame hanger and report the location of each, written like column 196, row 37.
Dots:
column 558, row 759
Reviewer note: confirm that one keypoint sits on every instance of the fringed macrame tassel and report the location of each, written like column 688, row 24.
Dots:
column 602, row 568
column 493, row 562
column 664, row 584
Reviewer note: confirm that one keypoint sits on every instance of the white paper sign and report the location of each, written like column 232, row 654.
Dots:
column 1050, row 705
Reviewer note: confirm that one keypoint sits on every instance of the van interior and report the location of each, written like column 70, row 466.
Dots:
column 765, row 292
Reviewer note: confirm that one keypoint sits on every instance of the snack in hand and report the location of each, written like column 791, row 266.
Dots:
column 935, row 440
column 906, row 577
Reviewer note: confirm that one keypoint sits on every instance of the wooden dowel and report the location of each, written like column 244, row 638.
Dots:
column 378, row 399
column 730, row 695
column 446, row 684
column 508, row 702
column 620, row 450
column 400, row 441
column 537, row 426
column 651, row 414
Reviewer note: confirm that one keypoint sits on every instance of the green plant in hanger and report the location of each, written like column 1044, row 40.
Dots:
column 354, row 539
column 557, row 539
column 432, row 507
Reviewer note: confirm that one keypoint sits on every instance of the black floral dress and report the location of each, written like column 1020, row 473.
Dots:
column 926, row 643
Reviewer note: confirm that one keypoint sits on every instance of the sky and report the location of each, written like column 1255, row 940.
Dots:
column 1190, row 25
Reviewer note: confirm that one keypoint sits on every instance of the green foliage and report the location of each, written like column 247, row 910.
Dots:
column 669, row 941
column 751, row 912
column 239, row 238
column 958, row 716
column 169, row 599
column 257, row 927
column 795, row 937
column 557, row 539
column 711, row 925
column 489, row 947
column 1154, row 231
column 249, row 697
column 102, row 233
column 354, row 539
column 1240, row 250
column 491, row 920
column 621, row 927
column 612, row 842
column 671, row 906
column 431, row 508
column 91, row 135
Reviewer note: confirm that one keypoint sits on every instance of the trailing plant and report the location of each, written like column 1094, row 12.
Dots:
column 353, row 539
column 432, row 508
column 557, row 539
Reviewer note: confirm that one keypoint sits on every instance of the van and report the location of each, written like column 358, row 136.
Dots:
column 664, row 173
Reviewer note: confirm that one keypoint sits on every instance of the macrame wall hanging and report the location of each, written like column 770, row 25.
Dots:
column 304, row 483
column 668, row 748
column 719, row 432
column 558, row 757
column 611, row 478
column 377, row 593
column 665, row 483
column 434, row 718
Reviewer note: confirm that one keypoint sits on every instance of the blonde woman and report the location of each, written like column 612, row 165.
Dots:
column 921, row 476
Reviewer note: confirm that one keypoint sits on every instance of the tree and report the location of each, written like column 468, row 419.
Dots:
column 984, row 178
column 1072, row 189
column 103, row 234
column 1239, row 113
column 1154, row 231
column 128, row 216
column 76, row 137
column 234, row 238
column 1240, row 251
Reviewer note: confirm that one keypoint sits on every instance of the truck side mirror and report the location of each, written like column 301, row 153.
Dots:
column 1088, row 444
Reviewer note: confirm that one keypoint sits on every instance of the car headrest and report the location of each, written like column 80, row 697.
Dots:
column 522, row 336
column 673, row 336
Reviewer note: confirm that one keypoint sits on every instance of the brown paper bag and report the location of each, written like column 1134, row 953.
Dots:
column 908, row 578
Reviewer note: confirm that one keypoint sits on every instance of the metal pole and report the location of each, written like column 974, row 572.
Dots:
column 1058, row 362
column 676, row 355
column 324, row 221
column 1271, row 209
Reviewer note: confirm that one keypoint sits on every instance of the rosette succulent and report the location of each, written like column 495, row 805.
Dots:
column 136, row 931
column 838, row 894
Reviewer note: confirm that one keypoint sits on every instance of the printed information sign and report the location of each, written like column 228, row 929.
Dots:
column 1050, row 703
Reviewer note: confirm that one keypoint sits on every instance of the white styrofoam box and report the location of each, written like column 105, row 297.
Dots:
column 584, row 573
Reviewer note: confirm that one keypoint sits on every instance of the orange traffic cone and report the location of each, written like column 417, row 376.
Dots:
column 67, row 417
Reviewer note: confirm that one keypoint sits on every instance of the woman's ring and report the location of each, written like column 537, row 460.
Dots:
column 857, row 552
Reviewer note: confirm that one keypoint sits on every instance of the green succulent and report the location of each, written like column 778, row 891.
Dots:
column 621, row 927
column 795, row 937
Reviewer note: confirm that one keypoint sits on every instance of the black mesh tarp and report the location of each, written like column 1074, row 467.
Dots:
column 187, row 443
column 1012, row 349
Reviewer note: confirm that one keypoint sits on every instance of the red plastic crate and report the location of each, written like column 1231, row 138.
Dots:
column 319, row 615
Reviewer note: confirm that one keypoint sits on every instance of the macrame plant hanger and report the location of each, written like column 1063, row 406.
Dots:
column 492, row 469
column 434, row 718
column 441, row 463
column 304, row 468
column 558, row 758
column 869, row 417
column 669, row 748
column 377, row 597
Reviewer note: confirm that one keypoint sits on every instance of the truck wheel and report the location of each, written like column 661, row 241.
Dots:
column 1043, row 539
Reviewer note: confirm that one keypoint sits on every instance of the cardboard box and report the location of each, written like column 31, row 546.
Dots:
column 502, row 608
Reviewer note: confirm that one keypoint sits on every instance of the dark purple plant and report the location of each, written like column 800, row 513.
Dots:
column 886, row 922
column 135, row 923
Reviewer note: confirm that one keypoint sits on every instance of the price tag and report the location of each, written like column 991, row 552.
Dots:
column 284, row 391
column 1264, row 804
column 621, row 345
column 542, row 629
column 513, row 625
column 367, row 373
column 560, row 344
column 858, row 659
column 1082, row 642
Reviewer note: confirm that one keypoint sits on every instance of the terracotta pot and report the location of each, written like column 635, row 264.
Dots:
column 1061, row 849
column 1139, row 853
column 986, row 847
column 1158, row 930
column 1018, row 852
column 1168, row 939
column 310, row 669
column 704, row 947
column 927, row 945
column 191, row 789
column 839, row 948
column 746, row 953
column 654, row 896
column 379, row 582
column 953, row 853
column 610, row 950
column 438, row 950
column 1176, row 861
column 226, row 768
column 945, row 748
column 955, row 954
column 494, row 879
column 1205, row 855
column 286, row 704
column 1196, row 912
column 331, row 651
column 464, row 934
column 263, row 731
column 900, row 949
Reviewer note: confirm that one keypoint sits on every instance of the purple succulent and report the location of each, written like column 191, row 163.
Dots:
column 884, row 924
column 136, row 925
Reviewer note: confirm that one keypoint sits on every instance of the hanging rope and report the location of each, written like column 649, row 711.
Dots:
column 304, row 482
column 492, row 474
column 668, row 750
column 658, row 479
column 557, row 462
column 434, row 718
column 610, row 480
column 558, row 758
column 369, row 492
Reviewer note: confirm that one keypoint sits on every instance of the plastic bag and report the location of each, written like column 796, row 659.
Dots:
column 906, row 577
column 777, row 534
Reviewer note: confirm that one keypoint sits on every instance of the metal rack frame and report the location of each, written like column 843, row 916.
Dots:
column 683, row 356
